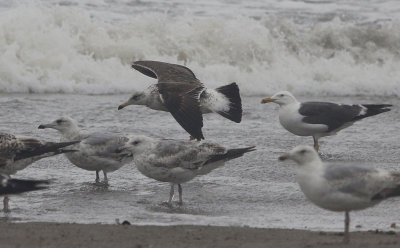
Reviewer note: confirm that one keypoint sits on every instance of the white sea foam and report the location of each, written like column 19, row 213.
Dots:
column 71, row 50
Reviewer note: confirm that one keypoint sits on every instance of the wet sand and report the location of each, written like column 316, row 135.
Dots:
column 98, row 235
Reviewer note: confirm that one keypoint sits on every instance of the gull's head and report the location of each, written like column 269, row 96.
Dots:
column 138, row 144
column 281, row 98
column 62, row 124
column 301, row 155
column 137, row 98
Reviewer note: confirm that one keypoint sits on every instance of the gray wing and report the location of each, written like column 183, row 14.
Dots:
column 99, row 139
column 331, row 114
column 356, row 180
column 165, row 72
column 104, row 145
column 184, row 154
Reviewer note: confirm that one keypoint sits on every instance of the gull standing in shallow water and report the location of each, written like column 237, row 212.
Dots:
column 341, row 187
column 319, row 119
column 16, row 153
column 177, row 161
column 96, row 151
column 179, row 92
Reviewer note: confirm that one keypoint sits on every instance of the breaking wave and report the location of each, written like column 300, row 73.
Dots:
column 62, row 49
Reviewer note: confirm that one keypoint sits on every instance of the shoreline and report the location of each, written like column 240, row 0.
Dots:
column 43, row 234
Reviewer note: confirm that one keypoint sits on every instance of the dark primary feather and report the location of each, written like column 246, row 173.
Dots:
column 15, row 186
column 182, row 101
column 33, row 147
column 165, row 72
column 374, row 109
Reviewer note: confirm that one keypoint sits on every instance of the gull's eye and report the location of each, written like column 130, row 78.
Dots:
column 59, row 121
column 135, row 142
column 281, row 95
column 303, row 151
column 135, row 97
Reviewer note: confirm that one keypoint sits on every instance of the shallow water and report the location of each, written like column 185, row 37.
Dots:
column 255, row 190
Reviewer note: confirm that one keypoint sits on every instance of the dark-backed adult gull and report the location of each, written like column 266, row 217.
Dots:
column 179, row 92
column 16, row 153
column 96, row 151
column 178, row 161
column 10, row 186
column 341, row 187
column 319, row 119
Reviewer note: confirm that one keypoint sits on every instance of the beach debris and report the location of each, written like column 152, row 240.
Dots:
column 124, row 223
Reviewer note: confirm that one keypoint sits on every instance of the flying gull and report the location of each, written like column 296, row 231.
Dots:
column 177, row 161
column 341, row 187
column 179, row 92
column 319, row 119
column 96, row 151
column 16, row 153
column 10, row 186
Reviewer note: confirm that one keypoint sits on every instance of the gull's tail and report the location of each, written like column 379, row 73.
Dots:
column 16, row 186
column 386, row 193
column 230, row 154
column 231, row 91
column 218, row 160
column 372, row 109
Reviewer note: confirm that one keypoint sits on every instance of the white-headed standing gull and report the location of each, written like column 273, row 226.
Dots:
column 96, row 151
column 341, row 187
column 319, row 119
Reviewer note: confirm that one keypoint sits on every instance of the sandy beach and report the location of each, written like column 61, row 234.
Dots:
column 41, row 234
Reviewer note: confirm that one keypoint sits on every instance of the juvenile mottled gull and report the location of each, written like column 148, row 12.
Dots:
column 177, row 161
column 319, row 119
column 179, row 92
column 341, row 187
column 96, row 151
column 16, row 153
column 10, row 186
